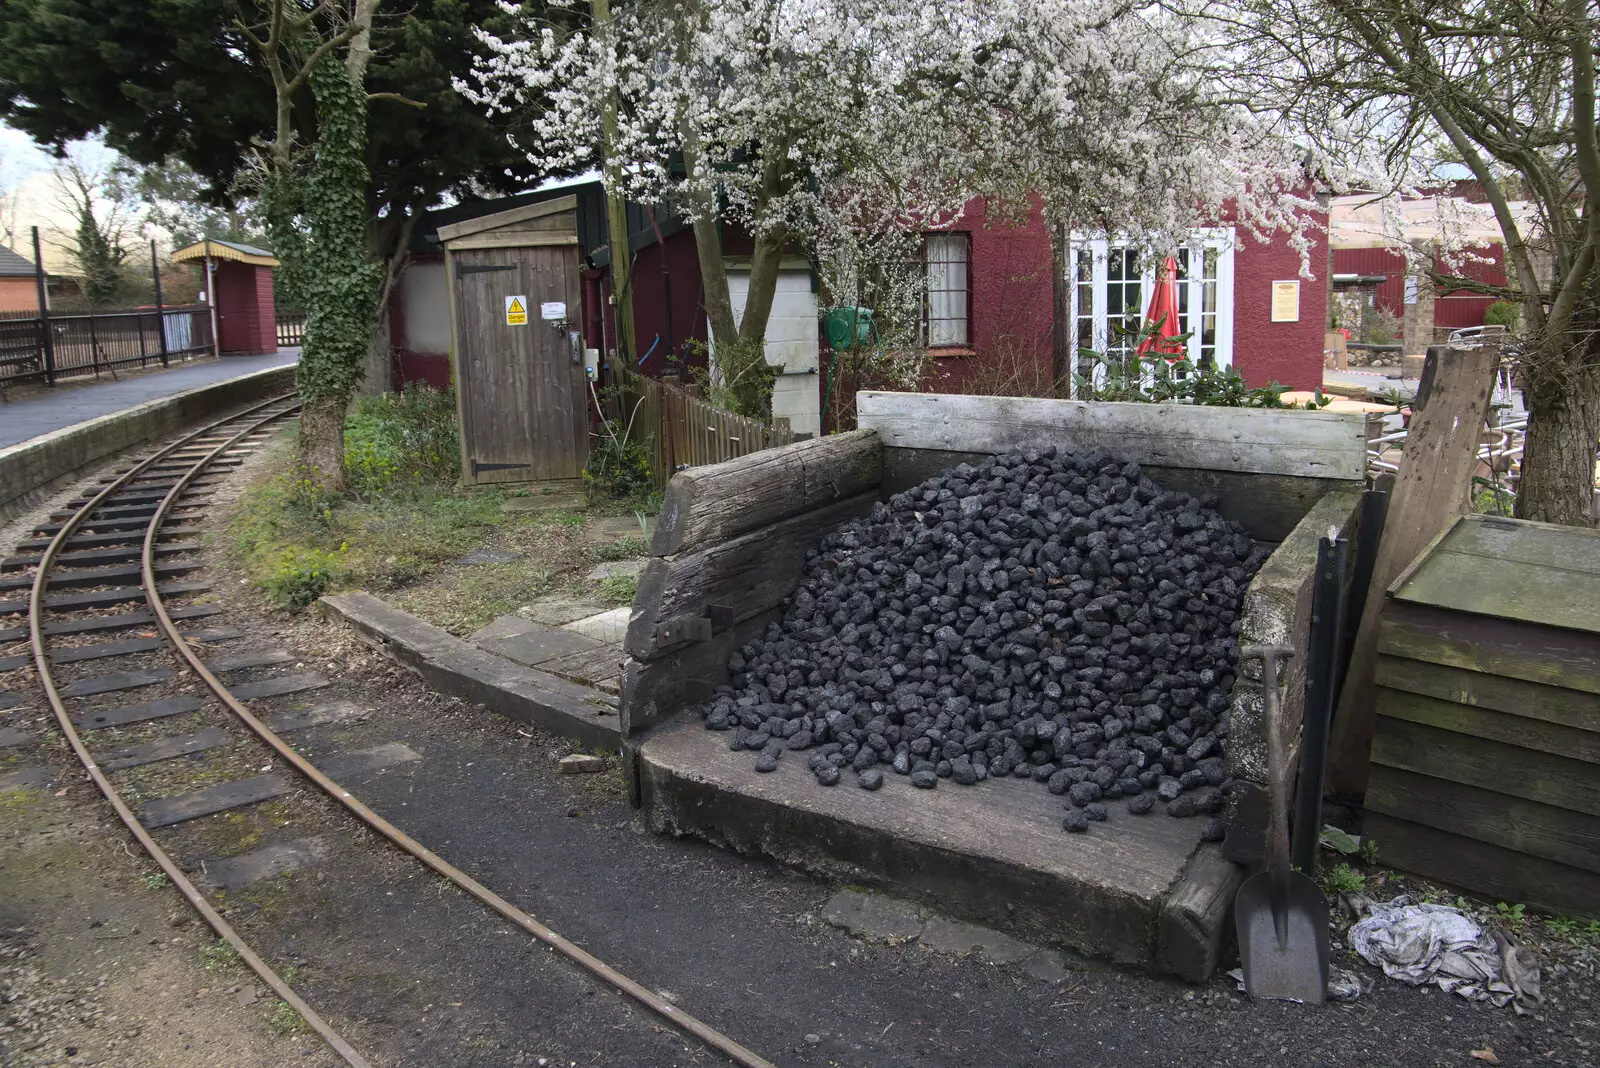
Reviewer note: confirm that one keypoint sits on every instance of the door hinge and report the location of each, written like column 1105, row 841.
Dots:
column 687, row 628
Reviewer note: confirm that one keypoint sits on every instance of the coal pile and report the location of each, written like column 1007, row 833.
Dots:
column 1046, row 616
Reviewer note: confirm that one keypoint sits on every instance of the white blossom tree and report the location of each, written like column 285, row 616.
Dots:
column 1400, row 96
column 847, row 127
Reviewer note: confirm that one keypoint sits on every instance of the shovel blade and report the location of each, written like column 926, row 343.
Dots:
column 1283, row 938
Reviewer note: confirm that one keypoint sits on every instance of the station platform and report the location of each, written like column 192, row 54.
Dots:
column 75, row 400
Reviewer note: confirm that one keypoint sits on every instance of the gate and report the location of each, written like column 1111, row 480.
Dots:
column 518, row 355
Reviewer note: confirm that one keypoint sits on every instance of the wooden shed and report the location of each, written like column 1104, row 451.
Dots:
column 1486, row 753
column 517, row 351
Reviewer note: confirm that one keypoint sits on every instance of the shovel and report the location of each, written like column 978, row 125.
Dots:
column 1281, row 916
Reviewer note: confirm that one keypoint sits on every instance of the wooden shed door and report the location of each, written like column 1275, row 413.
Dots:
column 524, row 400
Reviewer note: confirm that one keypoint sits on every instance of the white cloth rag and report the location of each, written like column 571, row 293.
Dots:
column 1436, row 944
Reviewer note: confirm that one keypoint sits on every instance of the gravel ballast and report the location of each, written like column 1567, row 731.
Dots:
column 1045, row 616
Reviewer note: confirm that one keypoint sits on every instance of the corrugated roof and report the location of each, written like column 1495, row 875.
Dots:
column 12, row 265
column 226, row 250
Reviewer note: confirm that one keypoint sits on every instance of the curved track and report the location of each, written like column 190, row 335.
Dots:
column 172, row 471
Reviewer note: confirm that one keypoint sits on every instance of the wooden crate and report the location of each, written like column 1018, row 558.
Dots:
column 1486, row 755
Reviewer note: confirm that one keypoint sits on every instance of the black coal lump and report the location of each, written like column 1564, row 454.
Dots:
column 1042, row 615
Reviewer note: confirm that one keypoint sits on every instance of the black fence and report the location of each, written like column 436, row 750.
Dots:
column 291, row 329
column 62, row 346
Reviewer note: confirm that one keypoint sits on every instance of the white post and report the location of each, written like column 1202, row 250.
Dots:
column 211, row 301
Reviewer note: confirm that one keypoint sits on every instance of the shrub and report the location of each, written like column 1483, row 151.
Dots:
column 302, row 575
column 1500, row 313
column 399, row 441
column 1383, row 327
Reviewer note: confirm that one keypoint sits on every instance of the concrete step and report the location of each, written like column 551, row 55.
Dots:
column 1137, row 889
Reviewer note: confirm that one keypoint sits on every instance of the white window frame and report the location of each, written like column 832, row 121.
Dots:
column 1221, row 238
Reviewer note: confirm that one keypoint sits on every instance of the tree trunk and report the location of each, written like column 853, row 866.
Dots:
column 1557, row 484
column 322, row 439
column 764, row 263
column 708, row 246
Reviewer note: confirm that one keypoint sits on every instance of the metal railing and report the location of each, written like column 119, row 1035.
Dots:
column 291, row 329
column 58, row 345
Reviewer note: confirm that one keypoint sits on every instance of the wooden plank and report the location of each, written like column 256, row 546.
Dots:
column 682, row 679
column 1436, row 467
column 1505, row 769
column 1256, row 440
column 1526, row 827
column 718, row 502
column 1551, row 655
column 750, row 574
column 1516, row 697
column 525, row 239
column 1495, row 726
column 483, row 223
column 165, row 811
column 1508, row 589
column 1480, row 867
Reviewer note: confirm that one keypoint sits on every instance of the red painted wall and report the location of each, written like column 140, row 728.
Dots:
column 247, row 317
column 1265, row 351
column 1011, row 308
column 1455, row 309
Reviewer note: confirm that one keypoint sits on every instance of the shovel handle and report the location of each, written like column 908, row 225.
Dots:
column 1271, row 656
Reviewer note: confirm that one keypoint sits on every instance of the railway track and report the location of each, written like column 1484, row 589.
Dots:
column 122, row 557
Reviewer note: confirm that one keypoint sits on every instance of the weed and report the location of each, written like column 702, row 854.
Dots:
column 284, row 1020
column 619, row 589
column 1513, row 915
column 622, row 549
column 303, row 575
column 1343, row 879
column 158, row 881
column 1369, row 850
column 1573, row 930
column 217, row 955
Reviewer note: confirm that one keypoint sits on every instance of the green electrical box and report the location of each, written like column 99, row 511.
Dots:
column 847, row 328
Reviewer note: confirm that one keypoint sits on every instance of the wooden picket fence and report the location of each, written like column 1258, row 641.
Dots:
column 679, row 429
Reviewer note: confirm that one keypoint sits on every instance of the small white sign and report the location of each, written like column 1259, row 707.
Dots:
column 553, row 310
column 1286, row 302
column 517, row 311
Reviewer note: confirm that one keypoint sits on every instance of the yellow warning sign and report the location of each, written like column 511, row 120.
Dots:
column 517, row 311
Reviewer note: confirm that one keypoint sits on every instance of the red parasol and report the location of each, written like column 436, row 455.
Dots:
column 1164, row 309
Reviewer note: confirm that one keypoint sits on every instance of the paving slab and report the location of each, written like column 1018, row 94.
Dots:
column 530, row 643
column 992, row 854
column 374, row 759
column 875, row 916
column 611, row 568
column 487, row 555
column 601, row 664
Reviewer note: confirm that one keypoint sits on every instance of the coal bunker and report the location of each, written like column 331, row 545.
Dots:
column 1047, row 616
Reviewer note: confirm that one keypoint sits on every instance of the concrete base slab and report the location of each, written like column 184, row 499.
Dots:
column 992, row 854
column 531, row 644
column 452, row 665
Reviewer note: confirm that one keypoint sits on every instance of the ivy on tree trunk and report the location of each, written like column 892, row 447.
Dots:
column 319, row 224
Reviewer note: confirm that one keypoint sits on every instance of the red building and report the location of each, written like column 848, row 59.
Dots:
column 1452, row 309
column 239, row 287
column 991, row 300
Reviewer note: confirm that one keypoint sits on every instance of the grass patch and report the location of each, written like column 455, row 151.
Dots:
column 619, row 589
column 1342, row 878
column 401, row 519
column 476, row 595
column 621, row 549
column 284, row 1020
column 215, row 956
